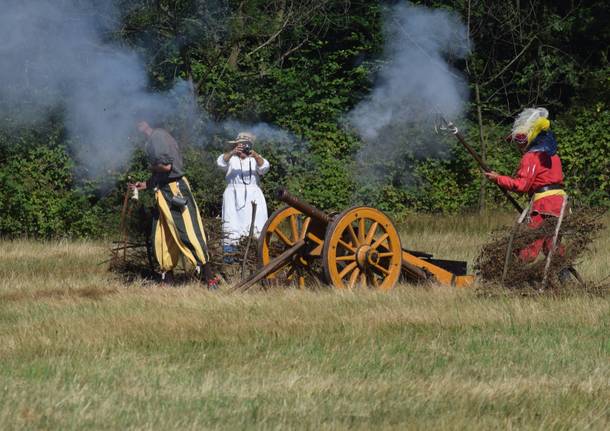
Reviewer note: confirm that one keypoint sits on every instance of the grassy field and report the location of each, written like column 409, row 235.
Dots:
column 79, row 349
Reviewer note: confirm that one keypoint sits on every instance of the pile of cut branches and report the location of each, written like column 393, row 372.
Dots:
column 578, row 231
column 132, row 255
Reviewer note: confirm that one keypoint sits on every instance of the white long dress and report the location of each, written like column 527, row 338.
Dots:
column 243, row 187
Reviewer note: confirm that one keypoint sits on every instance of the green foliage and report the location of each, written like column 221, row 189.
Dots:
column 207, row 181
column 585, row 152
column 441, row 190
column 302, row 66
column 530, row 53
column 306, row 94
column 38, row 196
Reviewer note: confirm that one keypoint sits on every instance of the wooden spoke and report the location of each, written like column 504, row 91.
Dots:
column 305, row 227
column 294, row 228
column 361, row 229
column 380, row 268
column 347, row 246
column 293, row 274
column 290, row 272
column 282, row 236
column 352, row 233
column 317, row 251
column 348, row 232
column 347, row 257
column 348, row 268
column 353, row 278
column 314, row 238
column 371, row 233
column 284, row 228
column 378, row 242
column 279, row 269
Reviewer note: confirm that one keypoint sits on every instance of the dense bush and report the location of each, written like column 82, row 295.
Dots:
column 302, row 70
column 585, row 150
column 39, row 196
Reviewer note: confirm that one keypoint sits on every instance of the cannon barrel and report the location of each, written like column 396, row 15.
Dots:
column 307, row 209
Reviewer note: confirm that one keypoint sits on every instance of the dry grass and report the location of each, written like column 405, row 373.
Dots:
column 80, row 349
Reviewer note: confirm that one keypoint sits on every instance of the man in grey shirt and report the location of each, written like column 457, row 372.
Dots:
column 162, row 150
column 177, row 226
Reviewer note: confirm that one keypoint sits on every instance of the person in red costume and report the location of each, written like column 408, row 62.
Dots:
column 539, row 175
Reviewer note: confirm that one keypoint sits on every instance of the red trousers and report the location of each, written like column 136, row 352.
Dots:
column 543, row 208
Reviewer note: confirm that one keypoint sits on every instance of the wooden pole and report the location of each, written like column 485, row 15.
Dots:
column 486, row 168
column 271, row 267
column 509, row 247
column 449, row 127
column 483, row 148
column 250, row 235
column 547, row 265
column 122, row 225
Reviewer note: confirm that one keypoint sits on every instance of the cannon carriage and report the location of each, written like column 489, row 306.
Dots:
column 359, row 247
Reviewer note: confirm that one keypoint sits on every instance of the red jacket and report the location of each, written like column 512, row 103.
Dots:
column 537, row 169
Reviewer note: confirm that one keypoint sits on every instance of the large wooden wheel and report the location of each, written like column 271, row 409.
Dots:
column 362, row 248
column 283, row 229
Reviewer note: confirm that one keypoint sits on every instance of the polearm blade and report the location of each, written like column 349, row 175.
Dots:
column 451, row 128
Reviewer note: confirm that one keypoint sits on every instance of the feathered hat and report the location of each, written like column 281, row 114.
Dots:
column 529, row 124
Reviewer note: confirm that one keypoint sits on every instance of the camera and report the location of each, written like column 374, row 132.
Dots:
column 247, row 148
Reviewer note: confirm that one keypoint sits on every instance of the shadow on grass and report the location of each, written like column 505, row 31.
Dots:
column 93, row 293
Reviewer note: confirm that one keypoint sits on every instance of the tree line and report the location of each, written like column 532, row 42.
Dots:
column 301, row 65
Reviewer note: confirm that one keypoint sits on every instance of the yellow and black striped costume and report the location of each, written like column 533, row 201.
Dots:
column 177, row 230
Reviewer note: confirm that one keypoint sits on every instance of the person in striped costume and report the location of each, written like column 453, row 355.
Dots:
column 177, row 225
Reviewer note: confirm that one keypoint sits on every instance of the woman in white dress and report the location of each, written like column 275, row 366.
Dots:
column 243, row 167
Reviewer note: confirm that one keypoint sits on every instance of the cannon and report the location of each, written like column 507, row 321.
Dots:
column 359, row 247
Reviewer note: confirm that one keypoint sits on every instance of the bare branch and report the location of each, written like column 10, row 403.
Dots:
column 272, row 38
column 510, row 63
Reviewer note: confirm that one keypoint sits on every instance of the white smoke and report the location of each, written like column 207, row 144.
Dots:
column 416, row 78
column 59, row 55
column 55, row 56
column 262, row 131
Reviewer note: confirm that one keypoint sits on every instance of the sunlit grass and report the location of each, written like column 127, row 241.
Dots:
column 80, row 349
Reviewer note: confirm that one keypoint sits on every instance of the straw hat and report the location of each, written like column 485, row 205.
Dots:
column 244, row 137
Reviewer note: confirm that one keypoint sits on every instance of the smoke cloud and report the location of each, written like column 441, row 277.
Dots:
column 56, row 56
column 415, row 79
column 60, row 56
column 262, row 131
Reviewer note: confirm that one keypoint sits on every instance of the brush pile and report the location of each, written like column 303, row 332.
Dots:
column 132, row 255
column 577, row 233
